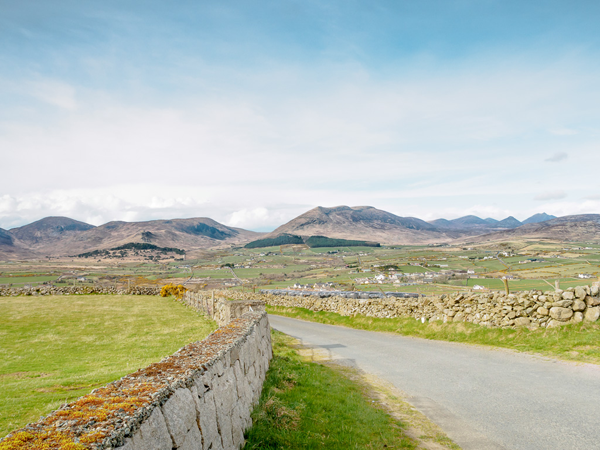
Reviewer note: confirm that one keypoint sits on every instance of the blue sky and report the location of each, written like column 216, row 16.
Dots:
column 253, row 112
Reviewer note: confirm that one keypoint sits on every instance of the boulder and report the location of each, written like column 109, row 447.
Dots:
column 591, row 314
column 567, row 295
column 592, row 301
column 562, row 314
column 542, row 311
column 578, row 305
column 580, row 292
column 522, row 321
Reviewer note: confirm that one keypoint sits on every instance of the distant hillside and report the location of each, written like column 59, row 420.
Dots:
column 363, row 223
column 475, row 225
column 49, row 229
column 584, row 227
column 61, row 236
column 471, row 224
column 537, row 218
column 5, row 238
column 12, row 249
column 509, row 222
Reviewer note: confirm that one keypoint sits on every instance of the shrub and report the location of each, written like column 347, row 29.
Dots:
column 176, row 291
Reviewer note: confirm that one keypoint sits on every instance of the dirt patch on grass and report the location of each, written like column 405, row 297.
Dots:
column 18, row 375
column 60, row 388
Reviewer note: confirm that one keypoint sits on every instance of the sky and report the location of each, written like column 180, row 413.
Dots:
column 252, row 113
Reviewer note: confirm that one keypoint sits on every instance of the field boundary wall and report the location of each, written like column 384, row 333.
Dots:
column 77, row 290
column 219, row 307
column 533, row 309
column 199, row 398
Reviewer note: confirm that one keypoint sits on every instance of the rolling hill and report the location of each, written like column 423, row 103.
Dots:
column 61, row 236
column 363, row 223
column 579, row 228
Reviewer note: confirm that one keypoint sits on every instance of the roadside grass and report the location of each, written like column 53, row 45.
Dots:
column 575, row 342
column 305, row 405
column 55, row 349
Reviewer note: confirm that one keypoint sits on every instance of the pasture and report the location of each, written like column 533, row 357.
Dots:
column 54, row 349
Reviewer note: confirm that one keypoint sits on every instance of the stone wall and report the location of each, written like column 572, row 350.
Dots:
column 77, row 290
column 218, row 307
column 343, row 294
column 199, row 398
column 533, row 309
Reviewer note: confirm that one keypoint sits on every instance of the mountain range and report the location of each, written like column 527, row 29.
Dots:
column 62, row 236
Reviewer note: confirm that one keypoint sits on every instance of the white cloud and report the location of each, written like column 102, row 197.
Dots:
column 53, row 92
column 258, row 156
column 551, row 195
column 557, row 157
column 563, row 131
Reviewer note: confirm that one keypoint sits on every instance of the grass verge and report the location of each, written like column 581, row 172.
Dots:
column 55, row 349
column 305, row 405
column 576, row 342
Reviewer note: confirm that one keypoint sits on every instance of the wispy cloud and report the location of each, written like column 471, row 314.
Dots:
column 557, row 157
column 563, row 131
column 552, row 195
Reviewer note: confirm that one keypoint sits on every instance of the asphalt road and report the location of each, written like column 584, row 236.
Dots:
column 483, row 399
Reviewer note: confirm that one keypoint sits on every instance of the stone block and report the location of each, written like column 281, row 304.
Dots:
column 578, row 305
column 577, row 317
column 180, row 414
column 562, row 314
column 563, row 303
column 592, row 314
column 592, row 301
column 207, row 419
column 567, row 295
column 225, row 429
column 193, row 440
column 522, row 321
column 153, row 433
column 580, row 292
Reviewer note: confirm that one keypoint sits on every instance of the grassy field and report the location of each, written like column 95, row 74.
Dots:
column 53, row 349
column 305, row 405
column 579, row 342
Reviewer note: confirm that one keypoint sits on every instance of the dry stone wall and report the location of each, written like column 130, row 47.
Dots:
column 533, row 309
column 218, row 307
column 199, row 398
column 77, row 290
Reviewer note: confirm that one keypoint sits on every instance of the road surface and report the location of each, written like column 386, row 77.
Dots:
column 482, row 398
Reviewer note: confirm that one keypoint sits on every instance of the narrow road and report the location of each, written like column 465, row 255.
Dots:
column 483, row 399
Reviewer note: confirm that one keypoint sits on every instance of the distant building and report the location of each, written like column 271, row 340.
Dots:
column 585, row 275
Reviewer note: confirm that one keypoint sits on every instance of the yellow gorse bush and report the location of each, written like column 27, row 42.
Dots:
column 176, row 291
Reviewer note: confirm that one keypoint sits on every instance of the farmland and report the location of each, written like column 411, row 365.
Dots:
column 58, row 348
column 427, row 270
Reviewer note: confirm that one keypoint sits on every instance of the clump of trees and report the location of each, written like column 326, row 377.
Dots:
column 323, row 241
column 284, row 239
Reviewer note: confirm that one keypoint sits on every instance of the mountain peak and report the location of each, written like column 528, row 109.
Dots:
column 537, row 218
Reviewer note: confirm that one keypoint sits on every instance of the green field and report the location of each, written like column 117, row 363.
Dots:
column 54, row 349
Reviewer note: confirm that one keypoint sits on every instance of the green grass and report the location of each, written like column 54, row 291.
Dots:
column 53, row 349
column 305, row 405
column 578, row 342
